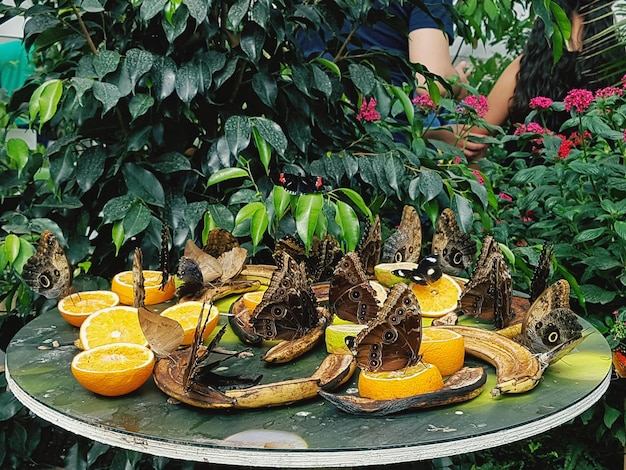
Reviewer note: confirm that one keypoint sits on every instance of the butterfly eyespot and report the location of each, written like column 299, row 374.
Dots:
column 374, row 364
column 57, row 272
column 394, row 319
column 390, row 335
column 355, row 295
column 539, row 325
column 457, row 258
column 374, row 347
column 398, row 257
column 407, row 301
column 278, row 311
column 45, row 281
column 553, row 337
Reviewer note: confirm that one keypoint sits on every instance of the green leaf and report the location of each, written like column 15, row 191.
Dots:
column 272, row 133
column 44, row 101
column 465, row 212
column 237, row 13
column 138, row 62
column 405, row 100
column 108, row 94
column 226, row 174
column 105, row 62
column 281, row 200
column 17, row 151
column 136, row 220
column 611, row 415
column 308, row 209
column 89, row 167
column 264, row 149
column 163, row 74
column 171, row 162
column 194, row 211
column 265, row 87
column 363, row 78
column 198, row 9
column 143, row 184
column 150, row 8
column 237, row 131
column 330, row 65
column 588, row 234
column 9, row 406
column 597, row 295
column 347, row 219
column 187, row 82
column 140, row 104
column 258, row 226
column 620, row 229
column 12, row 247
column 357, row 199
column 116, row 208
column 429, row 183
column 117, row 234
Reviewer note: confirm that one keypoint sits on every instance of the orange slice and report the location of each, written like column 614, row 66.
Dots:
column 335, row 336
column 443, row 348
column 438, row 298
column 406, row 382
column 383, row 274
column 252, row 299
column 122, row 285
column 187, row 314
column 113, row 369
column 75, row 308
column 118, row 324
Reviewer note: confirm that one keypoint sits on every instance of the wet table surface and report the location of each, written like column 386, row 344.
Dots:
column 305, row 434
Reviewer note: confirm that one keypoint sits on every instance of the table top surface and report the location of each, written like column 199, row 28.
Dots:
column 305, row 434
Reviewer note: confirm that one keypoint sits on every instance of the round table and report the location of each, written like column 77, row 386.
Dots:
column 305, row 434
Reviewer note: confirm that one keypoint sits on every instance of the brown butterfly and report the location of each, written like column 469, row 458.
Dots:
column 219, row 240
column 539, row 281
column 392, row 341
column 48, row 271
column 164, row 255
column 323, row 256
column 163, row 334
column 350, row 296
column 288, row 309
column 457, row 248
column 550, row 326
column 404, row 244
column 488, row 293
column 370, row 245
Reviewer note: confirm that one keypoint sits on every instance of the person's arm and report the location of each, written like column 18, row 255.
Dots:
column 430, row 47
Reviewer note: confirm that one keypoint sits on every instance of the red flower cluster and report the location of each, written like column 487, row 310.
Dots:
column 528, row 216
column 609, row 91
column 368, row 111
column 579, row 99
column 479, row 177
column 425, row 103
column 531, row 128
column 505, row 196
column 540, row 102
column 478, row 103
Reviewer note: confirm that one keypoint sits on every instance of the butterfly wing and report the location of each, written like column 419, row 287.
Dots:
column 288, row 308
column 300, row 184
column 209, row 266
column 323, row 258
column 350, row 296
column 219, row 240
column 232, row 262
column 405, row 244
column 48, row 271
column 457, row 248
column 539, row 281
column 392, row 341
column 191, row 275
column 428, row 270
column 370, row 245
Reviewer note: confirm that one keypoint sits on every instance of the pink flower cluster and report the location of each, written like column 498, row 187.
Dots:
column 505, row 196
column 531, row 128
column 368, row 111
column 479, row 177
column 425, row 103
column 609, row 91
column 579, row 99
column 540, row 102
column 478, row 103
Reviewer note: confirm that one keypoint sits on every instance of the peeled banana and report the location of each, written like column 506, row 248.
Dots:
column 517, row 369
column 334, row 370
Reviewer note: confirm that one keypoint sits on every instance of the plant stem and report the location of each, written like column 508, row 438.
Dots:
column 83, row 28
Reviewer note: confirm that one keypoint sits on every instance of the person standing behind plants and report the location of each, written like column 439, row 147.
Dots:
column 407, row 31
column 593, row 59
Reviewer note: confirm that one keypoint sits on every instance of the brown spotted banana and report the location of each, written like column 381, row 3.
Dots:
column 517, row 369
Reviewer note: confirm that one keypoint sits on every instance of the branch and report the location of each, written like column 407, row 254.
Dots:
column 83, row 28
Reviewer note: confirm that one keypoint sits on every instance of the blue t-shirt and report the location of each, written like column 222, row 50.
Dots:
column 393, row 38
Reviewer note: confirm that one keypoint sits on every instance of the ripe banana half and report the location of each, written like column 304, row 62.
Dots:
column 463, row 385
column 518, row 370
column 334, row 370
column 257, row 272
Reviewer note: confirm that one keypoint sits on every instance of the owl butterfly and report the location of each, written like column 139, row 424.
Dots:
column 48, row 271
column 428, row 270
column 405, row 244
column 488, row 293
column 219, row 241
column 350, row 296
column 370, row 245
column 163, row 334
column 199, row 375
column 323, row 256
column 457, row 248
column 288, row 309
column 550, row 326
column 299, row 184
column 391, row 341
column 539, row 281
column 198, row 269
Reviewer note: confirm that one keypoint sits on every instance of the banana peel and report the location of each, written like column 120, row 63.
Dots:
column 334, row 370
column 463, row 385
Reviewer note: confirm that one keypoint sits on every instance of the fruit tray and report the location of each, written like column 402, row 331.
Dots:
column 303, row 434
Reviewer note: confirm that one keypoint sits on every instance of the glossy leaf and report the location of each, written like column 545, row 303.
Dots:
column 108, row 94
column 358, row 200
column 272, row 133
column 89, row 167
column 237, row 131
column 138, row 62
column 263, row 147
column 347, row 219
column 198, row 9
column 226, row 174
column 308, row 209
column 163, row 74
column 17, row 151
column 12, row 247
column 363, row 78
column 136, row 220
column 143, row 184
column 105, row 62
column 150, row 8
column 187, row 82
column 281, row 199
column 140, row 104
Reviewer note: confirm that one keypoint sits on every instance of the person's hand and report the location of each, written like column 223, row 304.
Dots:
column 463, row 70
column 473, row 151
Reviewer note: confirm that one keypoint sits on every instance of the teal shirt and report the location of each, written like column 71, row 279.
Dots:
column 15, row 65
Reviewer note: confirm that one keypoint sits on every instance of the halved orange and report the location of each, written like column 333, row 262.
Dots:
column 406, row 382
column 75, row 308
column 443, row 348
column 113, row 369
column 122, row 285
column 187, row 314
column 252, row 299
column 438, row 298
column 336, row 333
column 118, row 324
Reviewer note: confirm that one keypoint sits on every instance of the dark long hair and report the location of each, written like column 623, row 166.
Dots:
column 600, row 63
